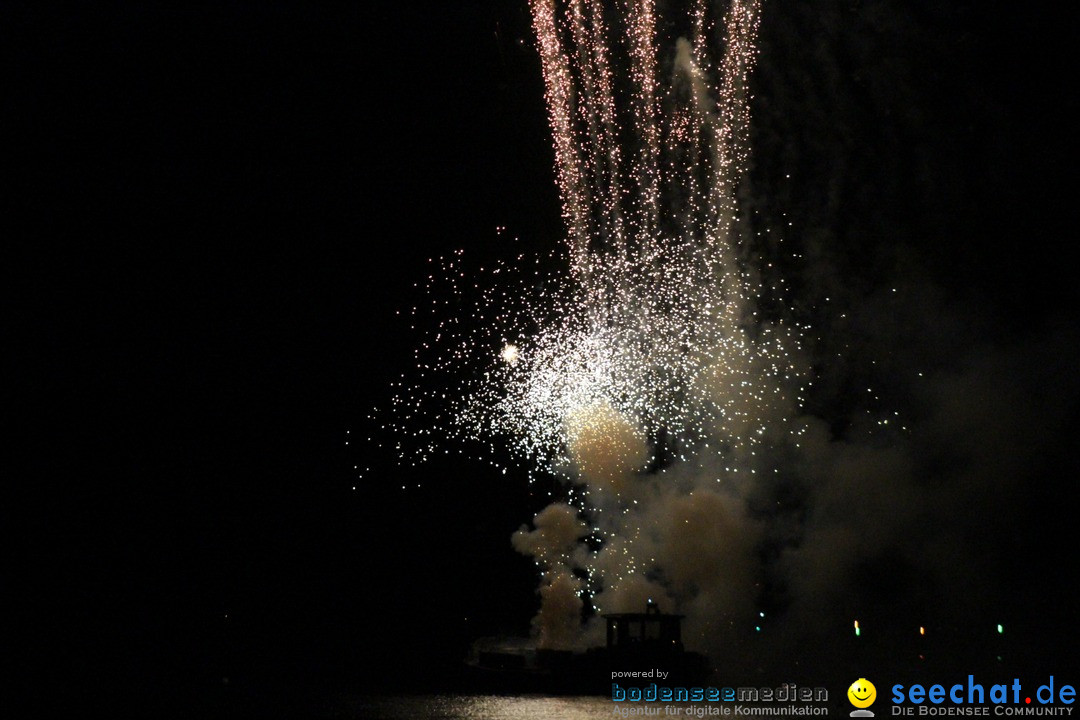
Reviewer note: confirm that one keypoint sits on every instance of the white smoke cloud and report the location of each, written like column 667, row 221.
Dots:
column 553, row 544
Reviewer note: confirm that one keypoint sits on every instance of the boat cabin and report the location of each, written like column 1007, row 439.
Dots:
column 651, row 629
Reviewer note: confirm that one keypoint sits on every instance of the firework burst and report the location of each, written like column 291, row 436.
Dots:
column 647, row 348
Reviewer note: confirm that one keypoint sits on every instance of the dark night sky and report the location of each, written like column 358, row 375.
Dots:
column 214, row 209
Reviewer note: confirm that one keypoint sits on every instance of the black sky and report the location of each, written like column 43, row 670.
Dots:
column 212, row 212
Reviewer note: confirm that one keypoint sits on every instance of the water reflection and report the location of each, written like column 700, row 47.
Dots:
column 479, row 707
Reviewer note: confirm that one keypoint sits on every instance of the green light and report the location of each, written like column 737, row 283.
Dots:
column 857, row 631
column 1001, row 628
column 758, row 628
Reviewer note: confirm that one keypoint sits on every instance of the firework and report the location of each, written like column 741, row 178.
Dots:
column 648, row 348
column 655, row 328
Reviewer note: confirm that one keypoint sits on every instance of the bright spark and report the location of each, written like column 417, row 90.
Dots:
column 509, row 354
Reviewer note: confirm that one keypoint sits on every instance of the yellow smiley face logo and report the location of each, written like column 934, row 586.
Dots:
column 862, row 693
